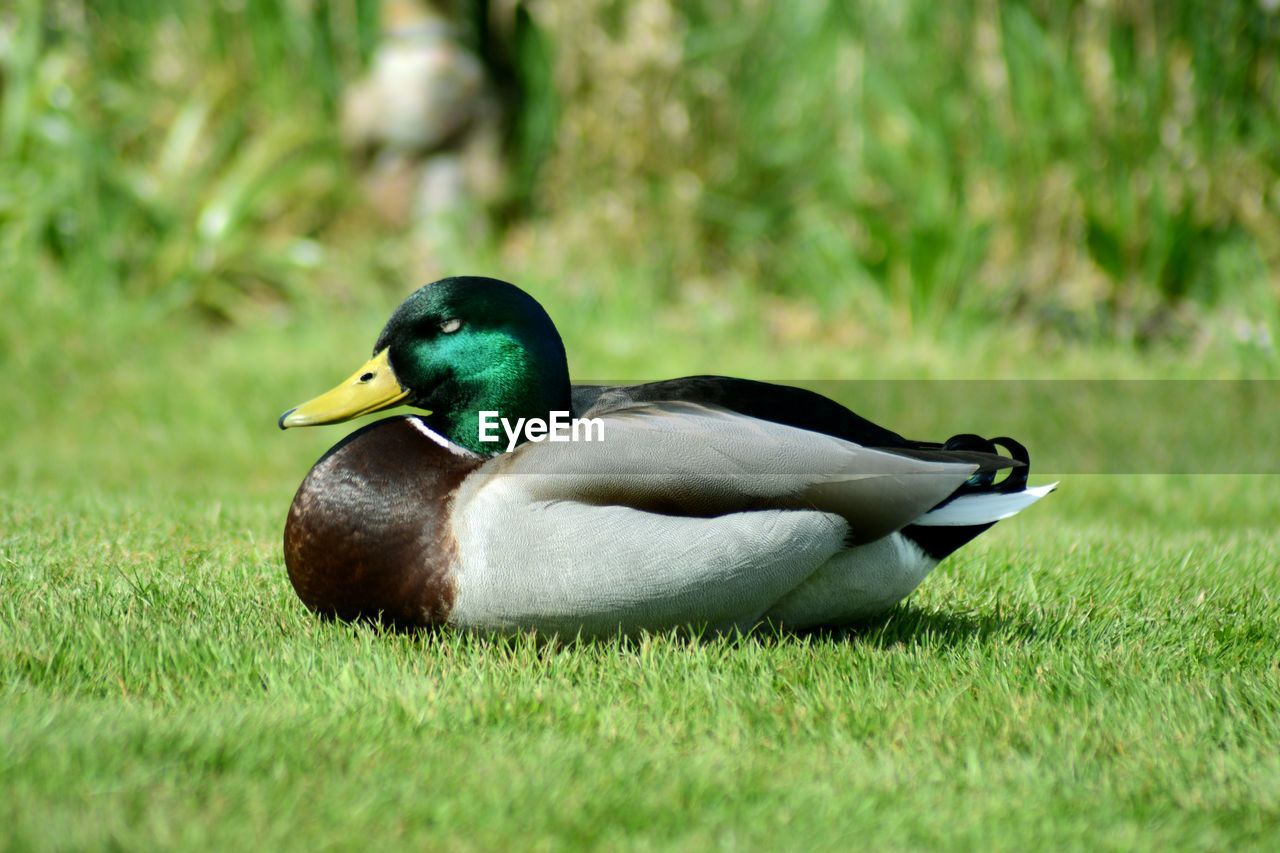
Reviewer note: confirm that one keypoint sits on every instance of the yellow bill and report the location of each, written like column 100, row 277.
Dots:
column 371, row 388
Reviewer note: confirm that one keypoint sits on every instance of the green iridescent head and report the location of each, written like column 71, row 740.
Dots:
column 456, row 347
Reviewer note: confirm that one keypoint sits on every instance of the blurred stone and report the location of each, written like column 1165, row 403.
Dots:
column 426, row 121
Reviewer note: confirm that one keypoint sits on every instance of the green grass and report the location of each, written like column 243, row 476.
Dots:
column 1099, row 672
column 1072, row 679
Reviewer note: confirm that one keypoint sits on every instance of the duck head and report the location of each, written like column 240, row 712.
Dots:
column 455, row 347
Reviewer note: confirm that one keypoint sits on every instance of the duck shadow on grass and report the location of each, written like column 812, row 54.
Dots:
column 906, row 625
column 903, row 626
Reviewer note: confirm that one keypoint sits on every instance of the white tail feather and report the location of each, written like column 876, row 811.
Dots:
column 983, row 508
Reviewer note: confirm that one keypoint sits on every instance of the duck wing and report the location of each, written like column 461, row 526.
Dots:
column 797, row 407
column 690, row 459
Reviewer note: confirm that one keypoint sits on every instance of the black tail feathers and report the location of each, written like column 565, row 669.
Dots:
column 984, row 481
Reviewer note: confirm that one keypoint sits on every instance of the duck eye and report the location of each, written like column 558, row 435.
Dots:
column 451, row 325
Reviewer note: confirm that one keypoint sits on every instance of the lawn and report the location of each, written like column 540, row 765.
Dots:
column 1070, row 680
column 1099, row 672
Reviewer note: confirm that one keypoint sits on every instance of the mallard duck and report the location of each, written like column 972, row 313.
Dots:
column 705, row 503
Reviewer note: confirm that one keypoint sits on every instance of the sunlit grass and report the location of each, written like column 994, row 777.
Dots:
column 1099, row 670
column 1067, row 680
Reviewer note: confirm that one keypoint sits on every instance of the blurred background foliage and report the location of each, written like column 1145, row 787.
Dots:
column 1084, row 171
